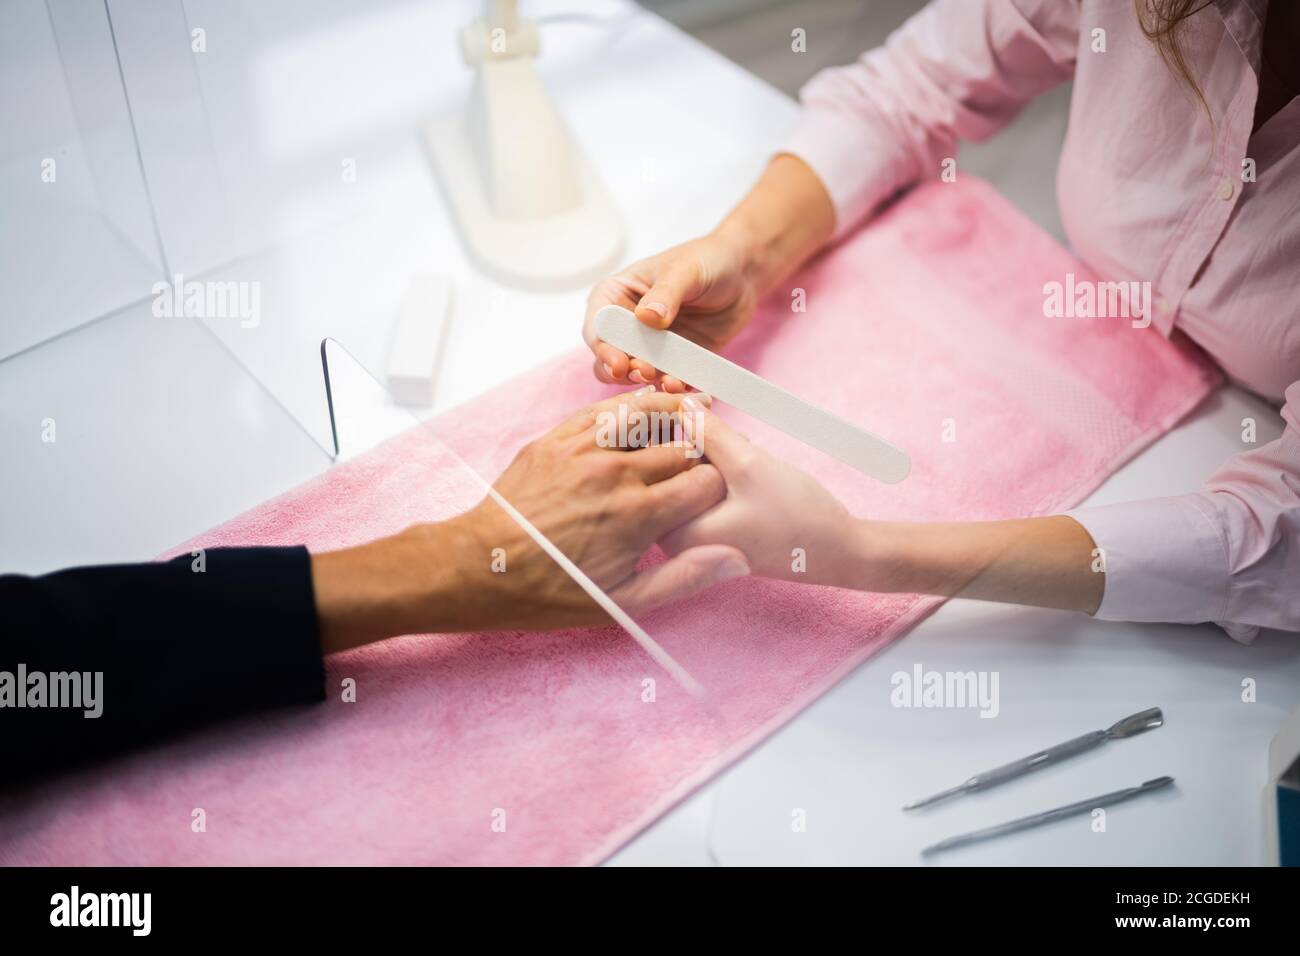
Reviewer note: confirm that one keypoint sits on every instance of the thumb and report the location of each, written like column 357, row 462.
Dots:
column 727, row 449
column 679, row 283
column 680, row 577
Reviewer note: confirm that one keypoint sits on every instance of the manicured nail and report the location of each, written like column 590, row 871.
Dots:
column 636, row 376
column 730, row 568
column 644, row 391
column 704, row 397
column 608, row 371
column 692, row 422
column 657, row 307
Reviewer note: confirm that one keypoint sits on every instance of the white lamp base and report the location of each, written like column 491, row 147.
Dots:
column 531, row 210
column 561, row 251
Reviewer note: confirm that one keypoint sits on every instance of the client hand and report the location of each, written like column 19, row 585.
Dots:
column 601, row 506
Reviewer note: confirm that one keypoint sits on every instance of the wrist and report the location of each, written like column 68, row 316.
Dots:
column 751, row 249
column 783, row 221
column 448, row 584
column 407, row 583
column 885, row 557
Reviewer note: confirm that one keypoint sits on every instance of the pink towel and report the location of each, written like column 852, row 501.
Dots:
column 926, row 328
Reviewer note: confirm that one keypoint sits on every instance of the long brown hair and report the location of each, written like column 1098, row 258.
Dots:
column 1162, row 23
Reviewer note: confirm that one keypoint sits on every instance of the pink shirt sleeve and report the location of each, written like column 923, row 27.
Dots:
column 1229, row 553
column 958, row 69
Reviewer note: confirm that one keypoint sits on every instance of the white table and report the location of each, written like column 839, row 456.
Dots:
column 851, row 760
column 162, row 432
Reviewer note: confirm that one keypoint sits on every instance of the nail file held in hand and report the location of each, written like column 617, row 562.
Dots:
column 753, row 395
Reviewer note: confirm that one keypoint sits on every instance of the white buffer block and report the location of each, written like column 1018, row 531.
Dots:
column 417, row 340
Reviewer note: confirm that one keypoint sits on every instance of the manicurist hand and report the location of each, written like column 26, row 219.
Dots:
column 706, row 290
column 703, row 289
column 602, row 506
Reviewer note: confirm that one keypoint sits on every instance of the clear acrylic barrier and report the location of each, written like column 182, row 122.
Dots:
column 363, row 415
column 324, row 215
column 77, row 240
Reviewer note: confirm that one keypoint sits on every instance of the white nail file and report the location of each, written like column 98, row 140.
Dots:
column 753, row 395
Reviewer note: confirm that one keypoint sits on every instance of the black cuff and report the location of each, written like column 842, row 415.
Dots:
column 205, row 636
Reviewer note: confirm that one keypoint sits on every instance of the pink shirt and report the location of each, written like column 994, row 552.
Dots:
column 1148, row 191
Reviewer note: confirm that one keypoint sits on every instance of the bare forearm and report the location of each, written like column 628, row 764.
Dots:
column 1040, row 562
column 483, row 570
column 410, row 583
column 782, row 221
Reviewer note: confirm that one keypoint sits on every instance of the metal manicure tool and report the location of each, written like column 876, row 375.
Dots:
column 1128, row 727
column 1048, row 816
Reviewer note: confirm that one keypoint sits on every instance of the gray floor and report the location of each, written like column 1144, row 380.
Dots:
column 1020, row 161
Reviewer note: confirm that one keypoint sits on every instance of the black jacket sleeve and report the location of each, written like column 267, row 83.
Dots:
column 171, row 644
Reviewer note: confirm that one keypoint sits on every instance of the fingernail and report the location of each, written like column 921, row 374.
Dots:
column 692, row 423
column 608, row 371
column 657, row 307
column 636, row 376
column 730, row 568
column 644, row 391
column 704, row 397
